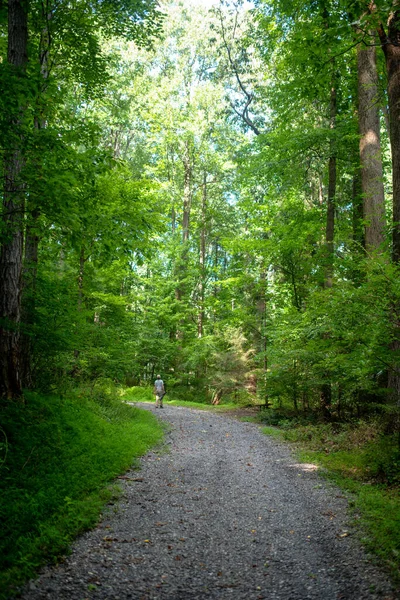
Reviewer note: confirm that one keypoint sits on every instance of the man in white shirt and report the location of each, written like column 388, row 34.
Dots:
column 159, row 391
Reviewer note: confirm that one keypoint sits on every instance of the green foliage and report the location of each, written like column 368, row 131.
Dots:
column 283, row 418
column 138, row 394
column 343, row 336
column 199, row 405
column 58, row 458
column 230, row 366
column 383, row 460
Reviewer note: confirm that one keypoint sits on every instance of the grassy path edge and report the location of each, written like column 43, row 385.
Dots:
column 375, row 508
column 58, row 470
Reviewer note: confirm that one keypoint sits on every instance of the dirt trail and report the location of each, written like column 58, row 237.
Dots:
column 223, row 513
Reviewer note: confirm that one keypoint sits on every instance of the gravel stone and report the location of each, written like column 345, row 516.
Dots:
column 222, row 512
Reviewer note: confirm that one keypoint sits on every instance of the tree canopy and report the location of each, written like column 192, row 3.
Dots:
column 210, row 192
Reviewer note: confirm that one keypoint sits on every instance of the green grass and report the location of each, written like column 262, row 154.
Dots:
column 138, row 394
column 145, row 394
column 200, row 406
column 360, row 461
column 273, row 431
column 57, row 459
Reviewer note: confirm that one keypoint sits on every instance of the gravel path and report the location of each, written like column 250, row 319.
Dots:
column 223, row 513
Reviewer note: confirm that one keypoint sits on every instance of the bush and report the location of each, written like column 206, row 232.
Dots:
column 189, row 394
column 284, row 419
column 383, row 459
column 138, row 394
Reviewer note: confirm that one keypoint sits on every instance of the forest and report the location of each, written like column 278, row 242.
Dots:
column 210, row 191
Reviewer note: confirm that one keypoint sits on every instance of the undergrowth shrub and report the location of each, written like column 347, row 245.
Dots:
column 138, row 394
column 183, row 393
column 331, row 437
column 188, row 394
column 383, row 459
column 284, row 419
column 58, row 456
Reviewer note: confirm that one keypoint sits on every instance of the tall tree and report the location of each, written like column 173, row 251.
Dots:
column 11, row 256
column 389, row 35
column 370, row 143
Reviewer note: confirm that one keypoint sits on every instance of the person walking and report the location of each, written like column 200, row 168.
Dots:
column 159, row 391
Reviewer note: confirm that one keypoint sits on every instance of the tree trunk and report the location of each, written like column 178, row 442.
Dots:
column 262, row 310
column 81, row 276
column 29, row 293
column 391, row 48
column 173, row 219
column 357, row 210
column 187, row 201
column 326, row 390
column 181, row 262
column 326, row 401
column 216, row 262
column 11, row 255
column 187, row 193
column 33, row 211
column 370, row 146
column 202, row 258
column 216, row 399
column 330, row 210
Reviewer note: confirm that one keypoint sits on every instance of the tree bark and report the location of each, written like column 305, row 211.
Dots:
column 326, row 401
column 32, row 237
column 390, row 43
column 330, row 210
column 202, row 258
column 370, row 146
column 357, row 210
column 262, row 309
column 183, row 254
column 29, row 293
column 17, row 48
column 11, row 256
column 187, row 202
column 81, row 276
column 326, row 389
column 187, row 193
column 216, row 263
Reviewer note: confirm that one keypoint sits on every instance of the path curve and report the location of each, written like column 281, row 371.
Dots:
column 224, row 513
